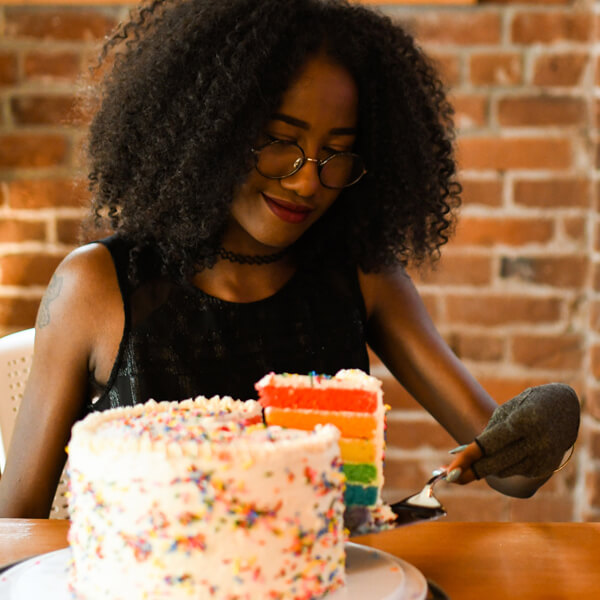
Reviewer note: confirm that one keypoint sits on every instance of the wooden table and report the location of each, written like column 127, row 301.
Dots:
column 470, row 561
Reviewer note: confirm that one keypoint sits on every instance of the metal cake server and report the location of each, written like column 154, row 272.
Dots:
column 423, row 506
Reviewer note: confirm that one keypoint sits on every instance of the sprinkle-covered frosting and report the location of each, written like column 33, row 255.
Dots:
column 188, row 501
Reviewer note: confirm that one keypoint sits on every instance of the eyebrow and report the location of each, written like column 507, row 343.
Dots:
column 304, row 125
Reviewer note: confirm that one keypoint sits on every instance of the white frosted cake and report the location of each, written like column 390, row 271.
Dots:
column 167, row 502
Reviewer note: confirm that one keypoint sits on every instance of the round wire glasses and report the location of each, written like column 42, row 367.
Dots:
column 279, row 159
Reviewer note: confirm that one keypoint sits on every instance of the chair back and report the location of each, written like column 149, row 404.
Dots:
column 16, row 352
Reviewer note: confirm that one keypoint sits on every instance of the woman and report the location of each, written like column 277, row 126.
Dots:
column 269, row 167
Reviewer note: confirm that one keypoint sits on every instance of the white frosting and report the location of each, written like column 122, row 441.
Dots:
column 352, row 379
column 424, row 498
column 166, row 503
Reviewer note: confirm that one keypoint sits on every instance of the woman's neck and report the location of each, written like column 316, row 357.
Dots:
column 235, row 281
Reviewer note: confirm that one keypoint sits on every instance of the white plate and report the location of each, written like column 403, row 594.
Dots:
column 370, row 574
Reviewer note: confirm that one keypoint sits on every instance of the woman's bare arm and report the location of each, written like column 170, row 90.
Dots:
column 75, row 321
column 403, row 335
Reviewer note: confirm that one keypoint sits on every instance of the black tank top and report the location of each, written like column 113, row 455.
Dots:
column 179, row 342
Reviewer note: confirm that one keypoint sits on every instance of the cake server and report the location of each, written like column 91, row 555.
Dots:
column 423, row 506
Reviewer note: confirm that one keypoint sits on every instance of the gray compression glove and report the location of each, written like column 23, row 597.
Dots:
column 529, row 434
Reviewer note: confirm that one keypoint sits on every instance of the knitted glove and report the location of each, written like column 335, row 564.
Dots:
column 529, row 434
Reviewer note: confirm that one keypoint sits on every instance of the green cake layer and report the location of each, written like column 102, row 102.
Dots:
column 360, row 473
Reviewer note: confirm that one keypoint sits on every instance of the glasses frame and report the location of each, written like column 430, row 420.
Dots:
column 320, row 163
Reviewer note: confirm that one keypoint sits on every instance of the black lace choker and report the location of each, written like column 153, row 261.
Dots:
column 251, row 259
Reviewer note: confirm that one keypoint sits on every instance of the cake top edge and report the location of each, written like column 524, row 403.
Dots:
column 343, row 379
column 224, row 408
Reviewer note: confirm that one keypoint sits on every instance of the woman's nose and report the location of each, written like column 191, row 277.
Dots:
column 305, row 182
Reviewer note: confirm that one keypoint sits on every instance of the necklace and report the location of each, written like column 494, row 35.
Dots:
column 251, row 259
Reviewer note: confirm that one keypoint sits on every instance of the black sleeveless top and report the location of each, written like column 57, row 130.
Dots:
column 179, row 342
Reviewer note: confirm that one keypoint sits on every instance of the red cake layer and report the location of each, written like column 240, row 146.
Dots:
column 312, row 398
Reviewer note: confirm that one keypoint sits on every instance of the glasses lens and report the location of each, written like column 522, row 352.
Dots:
column 279, row 159
column 342, row 170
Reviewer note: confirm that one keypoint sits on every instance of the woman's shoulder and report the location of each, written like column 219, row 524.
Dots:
column 86, row 274
column 387, row 284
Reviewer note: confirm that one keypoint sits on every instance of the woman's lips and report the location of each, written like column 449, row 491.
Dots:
column 286, row 211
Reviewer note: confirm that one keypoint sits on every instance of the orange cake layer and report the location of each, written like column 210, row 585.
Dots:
column 314, row 398
column 350, row 425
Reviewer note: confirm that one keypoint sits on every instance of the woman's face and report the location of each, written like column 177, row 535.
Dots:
column 319, row 113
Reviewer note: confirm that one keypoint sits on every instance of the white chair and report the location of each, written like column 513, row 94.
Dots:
column 16, row 352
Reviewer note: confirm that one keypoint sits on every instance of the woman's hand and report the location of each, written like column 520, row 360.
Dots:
column 527, row 436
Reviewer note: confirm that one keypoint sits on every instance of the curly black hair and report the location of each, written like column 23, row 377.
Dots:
column 193, row 84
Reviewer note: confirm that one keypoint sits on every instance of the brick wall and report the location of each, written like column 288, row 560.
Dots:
column 517, row 293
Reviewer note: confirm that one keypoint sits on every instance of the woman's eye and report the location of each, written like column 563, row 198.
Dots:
column 331, row 151
column 279, row 138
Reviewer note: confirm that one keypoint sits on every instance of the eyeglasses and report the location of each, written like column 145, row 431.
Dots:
column 279, row 159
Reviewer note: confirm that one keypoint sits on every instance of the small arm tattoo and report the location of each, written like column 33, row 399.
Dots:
column 52, row 293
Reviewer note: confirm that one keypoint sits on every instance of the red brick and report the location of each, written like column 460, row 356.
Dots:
column 407, row 474
column 514, row 153
column 18, row 313
column 540, row 2
column 27, row 269
column 550, row 27
column 458, row 269
column 542, row 507
column 32, row 150
column 541, row 110
column 595, row 361
column 575, row 228
column 42, row 110
column 595, row 315
column 560, row 352
column 592, row 484
column 8, row 68
column 68, row 231
column 568, row 271
column 482, row 191
column 16, row 230
column 476, row 347
column 553, row 193
column 592, row 402
column 594, row 444
column 475, row 502
column 56, row 24
column 493, row 310
column 470, row 110
column 44, row 193
column 596, row 274
column 52, row 66
column 394, row 393
column 496, row 69
column 564, row 69
column 448, row 67
column 411, row 434
column 511, row 231
column 502, row 389
column 461, row 28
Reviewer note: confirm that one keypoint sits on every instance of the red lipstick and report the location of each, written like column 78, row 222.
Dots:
column 287, row 211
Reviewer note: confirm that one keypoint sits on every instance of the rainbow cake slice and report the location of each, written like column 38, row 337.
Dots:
column 353, row 402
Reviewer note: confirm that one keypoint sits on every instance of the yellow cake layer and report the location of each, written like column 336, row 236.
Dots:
column 357, row 450
column 351, row 425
